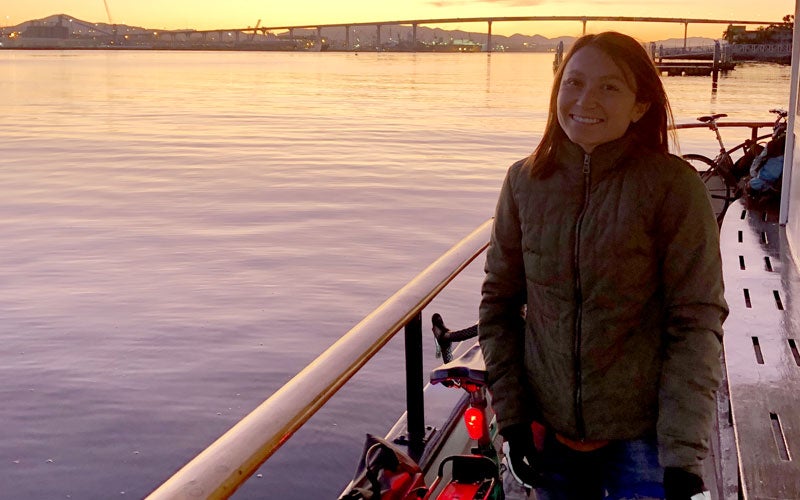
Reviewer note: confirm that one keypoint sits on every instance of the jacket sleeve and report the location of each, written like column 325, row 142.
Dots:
column 695, row 307
column 501, row 327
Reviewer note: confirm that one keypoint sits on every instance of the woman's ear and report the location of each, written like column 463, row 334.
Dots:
column 639, row 109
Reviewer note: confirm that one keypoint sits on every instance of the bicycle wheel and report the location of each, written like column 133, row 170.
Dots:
column 719, row 190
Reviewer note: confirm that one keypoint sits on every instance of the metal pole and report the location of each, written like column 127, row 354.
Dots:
column 415, row 403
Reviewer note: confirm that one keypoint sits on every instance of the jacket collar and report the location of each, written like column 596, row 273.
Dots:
column 603, row 158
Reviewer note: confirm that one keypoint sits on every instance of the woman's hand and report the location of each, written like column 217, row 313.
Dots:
column 522, row 455
column 680, row 484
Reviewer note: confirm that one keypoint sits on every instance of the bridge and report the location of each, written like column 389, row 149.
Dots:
column 489, row 21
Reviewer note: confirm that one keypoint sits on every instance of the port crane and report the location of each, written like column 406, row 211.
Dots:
column 255, row 30
column 111, row 21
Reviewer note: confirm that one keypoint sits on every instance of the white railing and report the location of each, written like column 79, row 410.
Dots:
column 222, row 467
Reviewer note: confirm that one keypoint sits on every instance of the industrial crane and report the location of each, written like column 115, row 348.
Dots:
column 255, row 30
column 111, row 22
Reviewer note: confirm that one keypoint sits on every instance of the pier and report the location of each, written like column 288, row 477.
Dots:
column 692, row 62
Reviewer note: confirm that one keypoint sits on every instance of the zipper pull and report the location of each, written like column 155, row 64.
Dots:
column 586, row 162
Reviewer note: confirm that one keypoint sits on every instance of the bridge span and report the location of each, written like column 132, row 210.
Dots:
column 414, row 23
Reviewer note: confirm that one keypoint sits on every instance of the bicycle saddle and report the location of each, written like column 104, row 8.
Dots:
column 467, row 368
column 706, row 119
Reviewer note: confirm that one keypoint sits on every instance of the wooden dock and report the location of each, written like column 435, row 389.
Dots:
column 718, row 60
column 691, row 68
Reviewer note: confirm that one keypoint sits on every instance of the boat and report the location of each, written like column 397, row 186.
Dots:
column 755, row 449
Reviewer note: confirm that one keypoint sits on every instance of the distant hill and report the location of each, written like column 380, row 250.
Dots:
column 77, row 26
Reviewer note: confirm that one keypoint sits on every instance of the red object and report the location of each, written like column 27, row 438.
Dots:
column 473, row 419
column 461, row 491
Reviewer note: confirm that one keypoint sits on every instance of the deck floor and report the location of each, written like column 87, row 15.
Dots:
column 762, row 337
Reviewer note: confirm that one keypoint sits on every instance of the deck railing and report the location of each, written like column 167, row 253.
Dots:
column 222, row 467
column 227, row 463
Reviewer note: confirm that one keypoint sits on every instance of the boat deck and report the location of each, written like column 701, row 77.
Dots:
column 762, row 360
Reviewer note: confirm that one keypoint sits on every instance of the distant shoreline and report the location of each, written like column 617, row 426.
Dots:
column 759, row 57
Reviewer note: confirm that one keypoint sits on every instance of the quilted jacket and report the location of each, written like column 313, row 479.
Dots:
column 602, row 306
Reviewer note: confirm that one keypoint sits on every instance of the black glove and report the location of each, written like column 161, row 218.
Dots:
column 680, row 484
column 522, row 454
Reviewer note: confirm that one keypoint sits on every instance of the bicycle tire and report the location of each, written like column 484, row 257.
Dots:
column 718, row 189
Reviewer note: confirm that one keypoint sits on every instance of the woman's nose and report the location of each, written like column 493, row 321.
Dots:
column 587, row 96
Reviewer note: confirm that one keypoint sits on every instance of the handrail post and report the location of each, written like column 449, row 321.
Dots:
column 415, row 403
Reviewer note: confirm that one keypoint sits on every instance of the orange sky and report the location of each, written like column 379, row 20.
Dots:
column 211, row 14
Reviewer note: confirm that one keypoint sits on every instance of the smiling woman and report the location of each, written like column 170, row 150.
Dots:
column 611, row 244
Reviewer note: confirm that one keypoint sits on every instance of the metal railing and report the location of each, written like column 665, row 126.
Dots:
column 227, row 463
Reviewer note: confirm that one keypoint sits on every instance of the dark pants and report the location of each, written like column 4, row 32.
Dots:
column 619, row 470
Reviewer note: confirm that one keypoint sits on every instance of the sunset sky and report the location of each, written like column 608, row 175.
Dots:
column 210, row 14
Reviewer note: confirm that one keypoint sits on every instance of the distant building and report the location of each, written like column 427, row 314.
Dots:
column 775, row 33
column 462, row 45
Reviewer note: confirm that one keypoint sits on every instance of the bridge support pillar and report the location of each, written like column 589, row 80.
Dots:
column 685, row 34
column 489, row 38
column 584, row 25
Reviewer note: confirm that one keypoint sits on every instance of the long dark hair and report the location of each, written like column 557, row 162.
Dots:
column 651, row 131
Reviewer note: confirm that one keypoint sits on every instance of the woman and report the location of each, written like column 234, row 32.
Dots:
column 602, row 307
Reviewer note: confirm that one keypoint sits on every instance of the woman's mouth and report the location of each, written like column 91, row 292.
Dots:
column 586, row 120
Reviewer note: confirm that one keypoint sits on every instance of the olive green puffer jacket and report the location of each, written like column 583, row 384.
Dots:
column 616, row 256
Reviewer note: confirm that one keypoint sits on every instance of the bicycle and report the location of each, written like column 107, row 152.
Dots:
column 475, row 475
column 722, row 174
column 387, row 473
column 468, row 372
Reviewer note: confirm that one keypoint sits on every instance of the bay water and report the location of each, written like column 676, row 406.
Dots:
column 184, row 231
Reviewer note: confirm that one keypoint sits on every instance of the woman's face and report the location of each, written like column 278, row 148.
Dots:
column 595, row 102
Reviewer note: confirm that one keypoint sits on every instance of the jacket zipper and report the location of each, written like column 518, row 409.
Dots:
column 581, row 426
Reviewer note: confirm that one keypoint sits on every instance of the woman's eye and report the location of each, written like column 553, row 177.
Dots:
column 611, row 87
column 571, row 82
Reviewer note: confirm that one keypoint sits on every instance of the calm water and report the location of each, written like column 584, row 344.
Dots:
column 183, row 232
